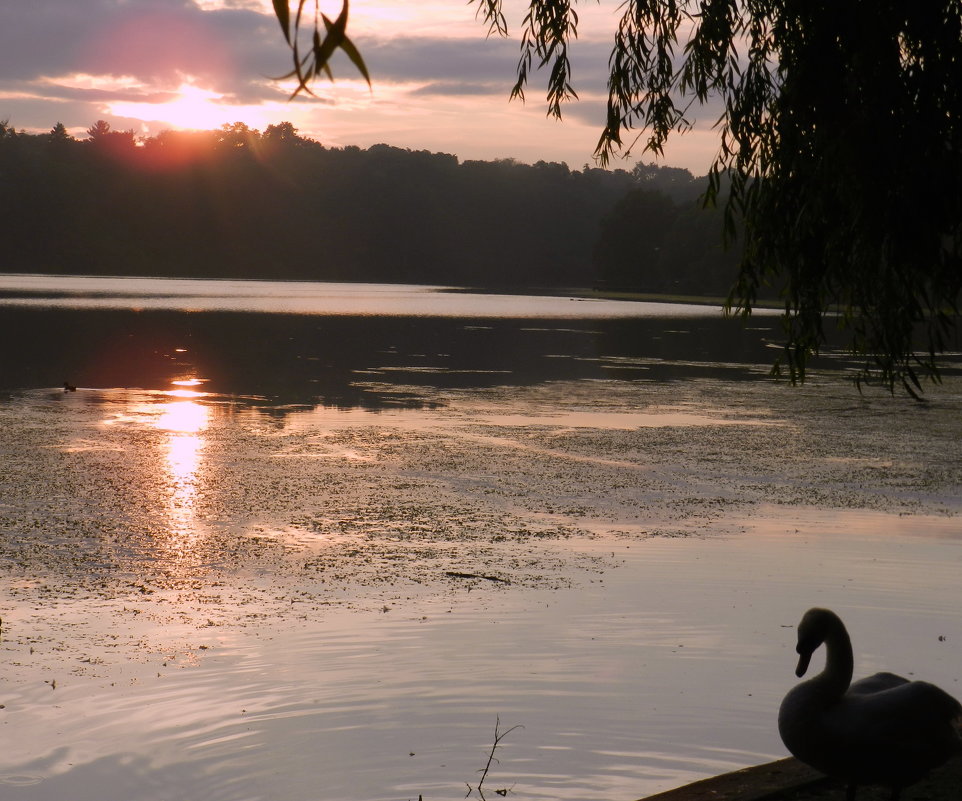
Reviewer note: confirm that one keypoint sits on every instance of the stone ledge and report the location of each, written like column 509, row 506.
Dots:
column 790, row 780
column 748, row 784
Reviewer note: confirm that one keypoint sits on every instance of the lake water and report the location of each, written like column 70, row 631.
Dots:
column 294, row 542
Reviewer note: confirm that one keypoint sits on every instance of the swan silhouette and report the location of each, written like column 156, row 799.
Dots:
column 882, row 730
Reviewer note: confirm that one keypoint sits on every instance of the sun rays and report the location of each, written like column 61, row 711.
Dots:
column 190, row 107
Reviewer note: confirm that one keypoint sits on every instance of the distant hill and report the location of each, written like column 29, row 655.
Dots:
column 239, row 203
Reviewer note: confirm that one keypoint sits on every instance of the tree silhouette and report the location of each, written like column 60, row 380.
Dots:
column 841, row 150
column 237, row 135
column 282, row 133
column 59, row 134
column 99, row 131
column 110, row 143
column 237, row 203
column 628, row 251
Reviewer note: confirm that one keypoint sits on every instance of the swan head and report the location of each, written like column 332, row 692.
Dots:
column 815, row 627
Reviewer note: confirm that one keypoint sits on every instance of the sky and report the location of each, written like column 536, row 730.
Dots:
column 439, row 82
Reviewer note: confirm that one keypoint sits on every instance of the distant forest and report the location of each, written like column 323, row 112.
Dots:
column 238, row 203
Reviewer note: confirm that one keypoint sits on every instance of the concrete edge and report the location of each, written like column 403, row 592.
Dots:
column 747, row 784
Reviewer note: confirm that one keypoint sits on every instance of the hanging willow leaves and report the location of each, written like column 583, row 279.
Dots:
column 283, row 12
column 324, row 44
column 840, row 163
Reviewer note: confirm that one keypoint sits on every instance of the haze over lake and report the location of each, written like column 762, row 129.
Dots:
column 303, row 297
column 302, row 541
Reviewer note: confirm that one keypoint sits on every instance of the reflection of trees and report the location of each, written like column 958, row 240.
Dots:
column 368, row 362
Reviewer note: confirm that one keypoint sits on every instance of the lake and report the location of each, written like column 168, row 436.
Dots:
column 305, row 541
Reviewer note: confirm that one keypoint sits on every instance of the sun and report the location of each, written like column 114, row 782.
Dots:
column 195, row 108
column 192, row 107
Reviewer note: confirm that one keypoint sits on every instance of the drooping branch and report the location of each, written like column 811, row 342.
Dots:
column 840, row 158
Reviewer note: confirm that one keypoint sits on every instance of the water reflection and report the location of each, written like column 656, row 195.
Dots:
column 308, row 297
column 366, row 362
column 180, row 418
column 183, row 417
column 362, row 345
column 184, row 422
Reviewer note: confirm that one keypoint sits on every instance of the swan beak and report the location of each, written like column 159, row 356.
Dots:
column 804, row 657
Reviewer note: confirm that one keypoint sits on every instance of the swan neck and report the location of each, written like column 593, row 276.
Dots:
column 839, row 663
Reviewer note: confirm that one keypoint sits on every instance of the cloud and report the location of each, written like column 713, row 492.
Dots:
column 423, row 58
column 152, row 40
column 459, row 89
column 589, row 112
column 435, row 74
column 477, row 61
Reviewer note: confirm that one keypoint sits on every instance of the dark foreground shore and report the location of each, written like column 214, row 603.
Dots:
column 790, row 780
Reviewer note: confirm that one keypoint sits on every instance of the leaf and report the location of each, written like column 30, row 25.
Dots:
column 335, row 35
column 338, row 30
column 354, row 54
column 283, row 14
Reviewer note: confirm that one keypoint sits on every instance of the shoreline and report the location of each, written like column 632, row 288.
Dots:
column 790, row 780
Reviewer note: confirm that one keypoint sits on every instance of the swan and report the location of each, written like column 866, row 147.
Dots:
column 883, row 729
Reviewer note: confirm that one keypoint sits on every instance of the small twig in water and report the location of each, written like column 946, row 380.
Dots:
column 498, row 737
column 459, row 574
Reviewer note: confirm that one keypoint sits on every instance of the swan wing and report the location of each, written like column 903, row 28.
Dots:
column 907, row 728
column 892, row 737
column 876, row 683
column 909, row 705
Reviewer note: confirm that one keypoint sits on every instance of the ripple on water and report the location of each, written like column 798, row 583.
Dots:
column 310, row 642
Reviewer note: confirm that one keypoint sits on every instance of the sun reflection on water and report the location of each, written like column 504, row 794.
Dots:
column 183, row 416
column 180, row 417
column 184, row 420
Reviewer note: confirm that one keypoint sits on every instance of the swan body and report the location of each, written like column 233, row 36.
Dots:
column 883, row 729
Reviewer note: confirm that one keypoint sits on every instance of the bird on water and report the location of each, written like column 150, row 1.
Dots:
column 881, row 730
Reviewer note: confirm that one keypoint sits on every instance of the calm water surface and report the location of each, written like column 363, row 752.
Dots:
column 231, row 557
column 342, row 343
column 301, row 297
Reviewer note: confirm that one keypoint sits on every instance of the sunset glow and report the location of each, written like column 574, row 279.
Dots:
column 192, row 107
column 438, row 83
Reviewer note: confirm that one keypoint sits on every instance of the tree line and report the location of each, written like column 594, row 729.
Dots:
column 840, row 162
column 240, row 203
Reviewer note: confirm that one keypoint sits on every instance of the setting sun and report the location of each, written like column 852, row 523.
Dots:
column 190, row 107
